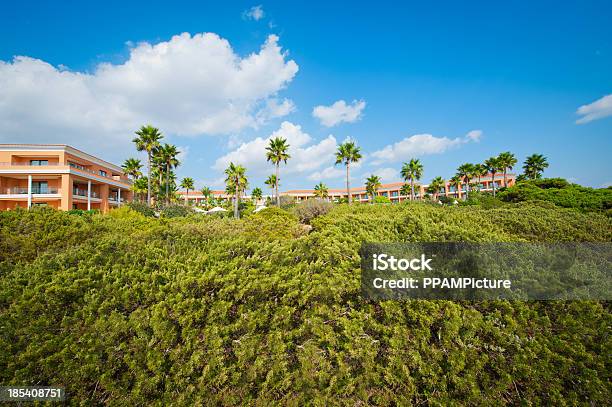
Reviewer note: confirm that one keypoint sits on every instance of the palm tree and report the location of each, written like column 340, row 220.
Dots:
column 480, row 170
column 534, row 166
column 277, row 152
column 167, row 155
column 456, row 180
column 257, row 194
column 465, row 172
column 321, row 191
column 148, row 140
column 132, row 167
column 187, row 183
column 434, row 187
column 235, row 182
column 139, row 186
column 206, row 193
column 348, row 153
column 412, row 171
column 271, row 183
column 405, row 190
column 493, row 166
column 372, row 185
column 507, row 160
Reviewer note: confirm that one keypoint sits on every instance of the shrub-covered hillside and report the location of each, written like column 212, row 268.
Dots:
column 128, row 310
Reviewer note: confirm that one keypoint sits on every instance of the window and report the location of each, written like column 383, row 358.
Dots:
column 385, row 194
column 79, row 166
column 394, row 193
column 103, row 173
column 39, row 162
column 40, row 187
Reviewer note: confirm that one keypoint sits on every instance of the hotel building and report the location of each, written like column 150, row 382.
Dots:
column 393, row 191
column 59, row 176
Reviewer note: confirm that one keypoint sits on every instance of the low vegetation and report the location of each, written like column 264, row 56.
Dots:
column 125, row 309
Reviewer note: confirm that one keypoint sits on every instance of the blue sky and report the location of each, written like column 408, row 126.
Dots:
column 469, row 80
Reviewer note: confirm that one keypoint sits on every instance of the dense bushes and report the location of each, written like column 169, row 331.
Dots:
column 561, row 193
column 311, row 208
column 128, row 310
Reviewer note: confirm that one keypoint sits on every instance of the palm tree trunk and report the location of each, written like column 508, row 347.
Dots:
column 505, row 179
column 493, row 182
column 276, row 186
column 236, row 201
column 467, row 189
column 149, row 179
column 348, row 185
column 411, row 189
column 167, row 182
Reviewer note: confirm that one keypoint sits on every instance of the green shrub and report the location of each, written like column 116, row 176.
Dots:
column 310, row 209
column 125, row 309
column 561, row 193
column 142, row 208
column 175, row 211
column 381, row 200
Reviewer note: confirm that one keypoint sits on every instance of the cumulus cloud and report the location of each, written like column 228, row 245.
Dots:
column 274, row 109
column 339, row 112
column 254, row 13
column 387, row 175
column 422, row 144
column 188, row 85
column 597, row 110
column 305, row 155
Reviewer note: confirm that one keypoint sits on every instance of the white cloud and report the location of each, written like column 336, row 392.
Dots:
column 339, row 112
column 273, row 109
column 597, row 110
column 421, row 144
column 387, row 175
column 335, row 171
column 305, row 156
column 254, row 13
column 188, row 85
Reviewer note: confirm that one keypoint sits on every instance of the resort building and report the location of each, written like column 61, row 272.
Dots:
column 59, row 176
column 393, row 191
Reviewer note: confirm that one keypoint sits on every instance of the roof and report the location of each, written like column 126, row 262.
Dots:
column 63, row 147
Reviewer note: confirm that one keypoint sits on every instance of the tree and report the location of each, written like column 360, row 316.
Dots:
column 507, row 160
column 257, row 194
column 321, row 191
column 405, row 190
column 412, row 171
column 187, row 183
column 480, row 171
column 132, row 167
column 277, row 152
column 466, row 172
column 434, row 187
column 236, row 182
column 456, row 180
column 271, row 183
column 168, row 156
column 139, row 186
column 372, row 185
column 148, row 140
column 534, row 166
column 206, row 193
column 493, row 166
column 348, row 153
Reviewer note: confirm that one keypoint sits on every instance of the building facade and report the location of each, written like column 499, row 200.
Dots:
column 393, row 191
column 59, row 176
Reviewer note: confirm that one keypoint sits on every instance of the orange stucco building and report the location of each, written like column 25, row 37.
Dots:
column 59, row 176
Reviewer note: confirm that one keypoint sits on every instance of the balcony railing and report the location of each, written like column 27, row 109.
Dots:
column 113, row 198
column 83, row 193
column 35, row 190
column 71, row 165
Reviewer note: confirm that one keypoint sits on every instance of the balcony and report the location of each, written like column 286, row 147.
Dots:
column 35, row 190
column 83, row 193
